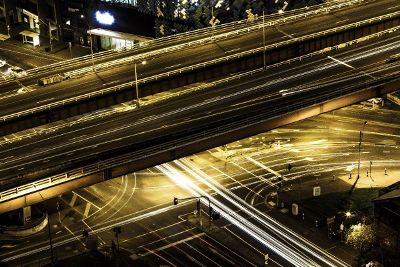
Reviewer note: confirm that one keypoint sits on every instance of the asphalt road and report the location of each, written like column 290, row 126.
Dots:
column 14, row 99
column 290, row 85
column 160, row 233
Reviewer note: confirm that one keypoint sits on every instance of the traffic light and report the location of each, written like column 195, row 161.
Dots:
column 117, row 229
column 198, row 206
column 175, row 201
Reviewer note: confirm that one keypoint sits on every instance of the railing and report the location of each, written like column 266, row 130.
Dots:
column 119, row 160
column 271, row 20
column 214, row 61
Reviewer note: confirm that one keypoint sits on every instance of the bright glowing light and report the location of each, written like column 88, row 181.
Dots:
column 348, row 214
column 104, row 18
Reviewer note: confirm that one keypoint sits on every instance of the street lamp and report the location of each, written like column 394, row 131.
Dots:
column 91, row 49
column 359, row 149
column 136, row 84
column 264, row 50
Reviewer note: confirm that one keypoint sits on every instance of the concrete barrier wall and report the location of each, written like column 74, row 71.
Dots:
column 201, row 145
column 199, row 75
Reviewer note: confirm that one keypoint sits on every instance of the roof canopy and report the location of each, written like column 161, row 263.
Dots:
column 29, row 33
column 118, row 35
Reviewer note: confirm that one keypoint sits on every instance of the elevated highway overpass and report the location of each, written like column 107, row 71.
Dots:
column 183, row 40
column 34, row 106
column 103, row 146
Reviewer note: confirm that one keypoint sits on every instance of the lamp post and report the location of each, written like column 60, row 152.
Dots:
column 91, row 49
column 137, row 86
column 263, row 22
column 52, row 260
column 359, row 149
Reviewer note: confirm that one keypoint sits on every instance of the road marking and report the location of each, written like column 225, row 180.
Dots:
column 284, row 33
column 173, row 66
column 87, row 209
column 72, row 203
column 337, row 22
column 277, row 174
column 341, row 62
column 230, row 250
column 172, row 244
column 45, row 100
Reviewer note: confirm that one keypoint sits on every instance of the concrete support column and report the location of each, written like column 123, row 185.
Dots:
column 27, row 215
column 10, row 11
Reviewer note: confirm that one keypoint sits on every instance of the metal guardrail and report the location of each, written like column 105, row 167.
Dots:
column 207, row 63
column 271, row 21
column 117, row 161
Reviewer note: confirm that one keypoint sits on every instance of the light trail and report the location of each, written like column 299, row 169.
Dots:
column 269, row 241
column 290, row 236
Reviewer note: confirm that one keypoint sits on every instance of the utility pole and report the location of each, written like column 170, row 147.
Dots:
column 50, row 37
column 370, row 171
column 137, row 88
column 91, row 51
column 50, row 239
column 359, row 159
column 263, row 22
column 70, row 49
column 359, row 150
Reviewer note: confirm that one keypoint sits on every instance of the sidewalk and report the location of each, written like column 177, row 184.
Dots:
column 60, row 49
column 311, row 222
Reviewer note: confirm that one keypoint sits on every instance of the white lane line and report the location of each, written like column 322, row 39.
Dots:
column 340, row 21
column 277, row 174
column 341, row 62
column 247, row 243
column 225, row 247
column 284, row 33
column 172, row 244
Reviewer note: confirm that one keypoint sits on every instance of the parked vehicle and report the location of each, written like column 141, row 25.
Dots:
column 52, row 79
column 393, row 58
column 17, row 72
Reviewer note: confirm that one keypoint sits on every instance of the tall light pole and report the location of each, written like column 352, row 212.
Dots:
column 265, row 66
column 91, row 50
column 136, row 84
column 91, row 40
column 359, row 149
column 50, row 37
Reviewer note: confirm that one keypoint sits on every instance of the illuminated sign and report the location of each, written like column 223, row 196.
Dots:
column 104, row 18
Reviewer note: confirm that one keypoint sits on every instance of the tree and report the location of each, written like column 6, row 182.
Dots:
column 360, row 236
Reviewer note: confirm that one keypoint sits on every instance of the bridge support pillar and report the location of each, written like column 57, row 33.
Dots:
column 107, row 174
column 27, row 215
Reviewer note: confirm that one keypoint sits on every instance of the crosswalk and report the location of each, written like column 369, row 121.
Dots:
column 3, row 37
